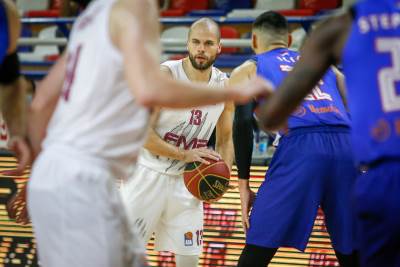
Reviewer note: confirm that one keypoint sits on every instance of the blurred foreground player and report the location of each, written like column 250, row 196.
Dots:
column 311, row 167
column 92, row 112
column 12, row 87
column 367, row 41
column 179, row 137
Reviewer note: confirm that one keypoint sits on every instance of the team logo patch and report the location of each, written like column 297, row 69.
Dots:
column 188, row 239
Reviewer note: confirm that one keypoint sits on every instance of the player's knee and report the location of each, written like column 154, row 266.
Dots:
column 186, row 260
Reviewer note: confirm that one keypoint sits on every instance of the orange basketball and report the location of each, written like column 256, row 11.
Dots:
column 207, row 182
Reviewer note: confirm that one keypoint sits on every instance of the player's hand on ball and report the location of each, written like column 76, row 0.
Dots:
column 200, row 155
column 247, row 197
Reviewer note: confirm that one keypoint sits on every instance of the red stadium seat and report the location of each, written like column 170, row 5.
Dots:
column 179, row 8
column 56, row 4
column 198, row 5
column 52, row 58
column 297, row 12
column 180, row 4
column 53, row 13
column 319, row 4
column 229, row 32
column 172, row 13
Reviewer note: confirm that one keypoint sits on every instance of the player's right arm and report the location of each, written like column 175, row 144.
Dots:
column 243, row 140
column 44, row 104
column 134, row 31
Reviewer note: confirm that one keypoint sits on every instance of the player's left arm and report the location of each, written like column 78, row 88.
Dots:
column 224, row 143
column 243, row 140
column 13, row 106
column 44, row 104
column 321, row 50
column 243, row 123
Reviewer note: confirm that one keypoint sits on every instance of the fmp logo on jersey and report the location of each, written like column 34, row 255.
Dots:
column 188, row 239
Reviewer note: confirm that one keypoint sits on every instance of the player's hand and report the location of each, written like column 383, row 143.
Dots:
column 23, row 153
column 17, row 207
column 256, row 87
column 246, row 200
column 200, row 155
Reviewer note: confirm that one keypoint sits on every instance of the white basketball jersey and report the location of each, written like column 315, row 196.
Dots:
column 184, row 128
column 97, row 114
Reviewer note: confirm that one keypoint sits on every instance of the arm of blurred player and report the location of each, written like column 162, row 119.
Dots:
column 321, row 50
column 44, row 104
column 13, row 94
column 13, row 107
column 135, row 32
column 224, row 143
column 157, row 146
column 243, row 141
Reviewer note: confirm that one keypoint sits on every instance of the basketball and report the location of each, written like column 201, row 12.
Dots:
column 207, row 182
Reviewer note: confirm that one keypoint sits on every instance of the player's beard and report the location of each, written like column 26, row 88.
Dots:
column 201, row 66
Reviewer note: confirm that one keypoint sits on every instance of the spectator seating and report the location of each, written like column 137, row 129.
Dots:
column 298, row 37
column 275, row 5
column 42, row 52
column 228, row 5
column 245, row 13
column 52, row 11
column 27, row 5
column 229, row 32
column 177, row 32
column 207, row 13
column 318, row 5
column 182, row 7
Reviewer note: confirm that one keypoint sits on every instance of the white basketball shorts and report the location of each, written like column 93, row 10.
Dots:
column 77, row 214
column 160, row 203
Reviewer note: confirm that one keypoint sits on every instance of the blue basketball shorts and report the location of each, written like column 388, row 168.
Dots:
column 377, row 194
column 312, row 167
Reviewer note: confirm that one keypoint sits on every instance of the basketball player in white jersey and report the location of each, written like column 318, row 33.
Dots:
column 156, row 197
column 91, row 112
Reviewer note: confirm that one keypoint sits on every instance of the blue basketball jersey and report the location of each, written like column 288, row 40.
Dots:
column 323, row 106
column 371, row 62
column 3, row 31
